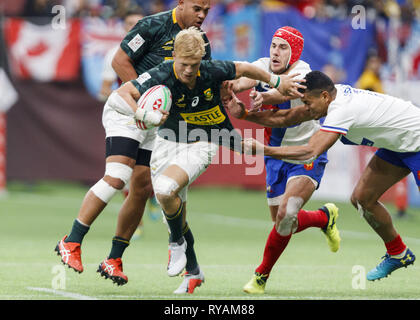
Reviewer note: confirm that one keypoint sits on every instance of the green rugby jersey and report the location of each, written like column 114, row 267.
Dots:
column 151, row 41
column 197, row 108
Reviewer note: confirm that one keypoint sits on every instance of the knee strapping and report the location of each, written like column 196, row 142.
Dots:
column 119, row 171
column 103, row 190
column 165, row 186
column 288, row 224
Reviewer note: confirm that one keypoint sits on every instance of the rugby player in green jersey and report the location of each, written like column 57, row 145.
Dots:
column 128, row 149
column 189, row 136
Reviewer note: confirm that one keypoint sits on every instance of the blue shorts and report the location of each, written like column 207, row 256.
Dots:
column 279, row 172
column 409, row 160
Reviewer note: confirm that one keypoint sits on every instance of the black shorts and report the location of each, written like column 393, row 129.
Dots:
column 122, row 146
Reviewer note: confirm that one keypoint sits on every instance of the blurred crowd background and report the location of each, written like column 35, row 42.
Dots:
column 321, row 9
column 53, row 103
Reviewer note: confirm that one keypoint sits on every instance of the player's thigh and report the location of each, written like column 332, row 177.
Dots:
column 141, row 182
column 378, row 176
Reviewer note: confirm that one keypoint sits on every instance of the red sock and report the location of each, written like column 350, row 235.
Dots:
column 395, row 246
column 274, row 247
column 308, row 219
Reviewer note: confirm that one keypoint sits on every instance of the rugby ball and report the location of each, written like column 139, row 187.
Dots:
column 156, row 98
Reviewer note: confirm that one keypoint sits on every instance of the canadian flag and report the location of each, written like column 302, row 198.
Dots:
column 43, row 53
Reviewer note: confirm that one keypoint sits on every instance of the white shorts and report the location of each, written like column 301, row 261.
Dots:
column 193, row 158
column 119, row 125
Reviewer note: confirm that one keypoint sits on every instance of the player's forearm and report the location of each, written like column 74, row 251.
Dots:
column 264, row 118
column 245, row 69
column 279, row 118
column 123, row 100
column 123, row 66
column 243, row 84
column 273, row 96
column 304, row 154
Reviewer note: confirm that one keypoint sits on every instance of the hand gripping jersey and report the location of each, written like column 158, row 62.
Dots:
column 373, row 119
column 151, row 41
column 290, row 136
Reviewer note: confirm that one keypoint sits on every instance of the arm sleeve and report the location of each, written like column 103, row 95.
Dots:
column 339, row 120
column 148, row 79
column 223, row 70
column 138, row 40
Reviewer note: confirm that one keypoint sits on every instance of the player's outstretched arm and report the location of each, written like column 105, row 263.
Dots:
column 286, row 84
column 269, row 118
column 318, row 144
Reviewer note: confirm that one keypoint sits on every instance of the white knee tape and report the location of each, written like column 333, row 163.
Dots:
column 119, row 171
column 103, row 191
column 289, row 223
column 165, row 185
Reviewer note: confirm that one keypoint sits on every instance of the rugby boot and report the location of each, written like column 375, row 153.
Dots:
column 113, row 269
column 177, row 258
column 390, row 264
column 257, row 284
column 331, row 231
column 70, row 254
column 190, row 282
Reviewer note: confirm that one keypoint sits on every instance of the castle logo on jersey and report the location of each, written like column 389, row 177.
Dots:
column 205, row 118
column 208, row 95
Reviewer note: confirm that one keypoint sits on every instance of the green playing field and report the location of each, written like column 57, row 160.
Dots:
column 230, row 227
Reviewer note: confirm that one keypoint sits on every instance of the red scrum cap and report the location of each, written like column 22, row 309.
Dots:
column 295, row 40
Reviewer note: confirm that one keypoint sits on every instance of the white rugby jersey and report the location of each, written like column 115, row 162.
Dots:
column 373, row 119
column 294, row 135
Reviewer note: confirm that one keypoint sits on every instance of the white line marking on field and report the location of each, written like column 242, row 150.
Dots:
column 66, row 294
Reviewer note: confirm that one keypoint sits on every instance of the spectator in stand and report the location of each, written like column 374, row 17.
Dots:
column 370, row 78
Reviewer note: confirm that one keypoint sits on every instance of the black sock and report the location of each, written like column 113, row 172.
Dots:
column 77, row 233
column 118, row 246
column 175, row 224
column 192, row 265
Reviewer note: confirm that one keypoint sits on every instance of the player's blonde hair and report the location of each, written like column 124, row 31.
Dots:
column 190, row 43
